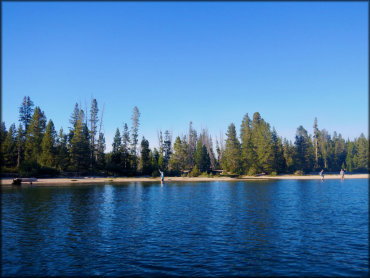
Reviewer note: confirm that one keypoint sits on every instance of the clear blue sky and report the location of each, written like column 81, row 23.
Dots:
column 208, row 62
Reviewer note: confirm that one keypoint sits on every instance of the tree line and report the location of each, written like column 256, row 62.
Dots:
column 35, row 148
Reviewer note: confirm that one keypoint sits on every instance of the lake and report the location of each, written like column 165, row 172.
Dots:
column 254, row 228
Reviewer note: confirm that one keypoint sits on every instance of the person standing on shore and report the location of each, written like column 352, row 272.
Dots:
column 162, row 175
column 342, row 174
column 322, row 174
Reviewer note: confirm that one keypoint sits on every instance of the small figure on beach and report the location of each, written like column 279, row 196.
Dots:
column 322, row 174
column 342, row 174
column 162, row 175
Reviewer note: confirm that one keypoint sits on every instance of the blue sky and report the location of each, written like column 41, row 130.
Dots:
column 208, row 62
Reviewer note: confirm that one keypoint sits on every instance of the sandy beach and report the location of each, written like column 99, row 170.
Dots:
column 6, row 182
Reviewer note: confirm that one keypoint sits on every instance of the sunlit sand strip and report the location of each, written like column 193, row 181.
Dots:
column 90, row 180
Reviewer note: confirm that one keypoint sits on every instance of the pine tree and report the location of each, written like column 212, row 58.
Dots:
column 288, row 149
column 125, row 159
column 9, row 148
column 247, row 153
column 361, row 156
column 166, row 149
column 262, row 153
column 48, row 146
column 134, row 136
column 145, row 161
column 232, row 155
column 279, row 164
column 304, row 153
column 316, row 137
column 201, row 157
column 349, row 156
column 93, row 130
column 176, row 162
column 100, row 161
column 117, row 146
column 20, row 145
column 192, row 144
column 80, row 149
column 155, row 164
column 62, row 155
column 25, row 112
column 34, row 135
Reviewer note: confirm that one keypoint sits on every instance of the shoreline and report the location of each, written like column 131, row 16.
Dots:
column 6, row 182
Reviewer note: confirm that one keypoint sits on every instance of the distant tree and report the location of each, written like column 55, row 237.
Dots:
column 262, row 154
column 279, row 163
column 125, row 159
column 117, row 147
column 155, row 164
column 26, row 112
column 34, row 135
column 289, row 152
column 361, row 155
column 166, row 149
column 80, row 149
column 192, row 144
column 316, row 134
column 176, row 163
column 232, row 155
column 48, row 146
column 201, row 156
column 20, row 145
column 93, row 131
column 349, row 156
column 304, row 153
column 100, row 162
column 323, row 143
column 247, row 149
column 145, row 161
column 9, row 148
column 62, row 155
column 134, row 135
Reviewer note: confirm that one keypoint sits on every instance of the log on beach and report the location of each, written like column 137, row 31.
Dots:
column 18, row 181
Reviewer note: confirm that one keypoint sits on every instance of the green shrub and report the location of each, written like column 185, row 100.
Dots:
column 273, row 173
column 194, row 172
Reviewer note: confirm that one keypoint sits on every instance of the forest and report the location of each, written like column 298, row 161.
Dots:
column 36, row 148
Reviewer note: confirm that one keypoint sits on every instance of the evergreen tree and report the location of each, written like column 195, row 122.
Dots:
column 34, row 135
column 80, row 149
column 125, row 159
column 323, row 143
column 116, row 151
column 93, row 130
column 304, row 153
column 176, row 163
column 361, row 156
column 9, row 148
column 3, row 132
column 262, row 152
column 289, row 151
column 192, row 145
column 100, row 161
column 247, row 153
column 166, row 149
column 62, row 155
column 25, row 112
column 316, row 137
column 134, row 135
column 20, row 145
column 145, row 161
column 232, row 155
column 48, row 146
column 201, row 157
column 279, row 164
column 155, row 164
column 349, row 156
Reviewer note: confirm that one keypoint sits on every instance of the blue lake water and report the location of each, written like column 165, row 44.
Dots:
column 268, row 228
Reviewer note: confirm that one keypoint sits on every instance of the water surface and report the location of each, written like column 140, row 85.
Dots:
column 286, row 227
